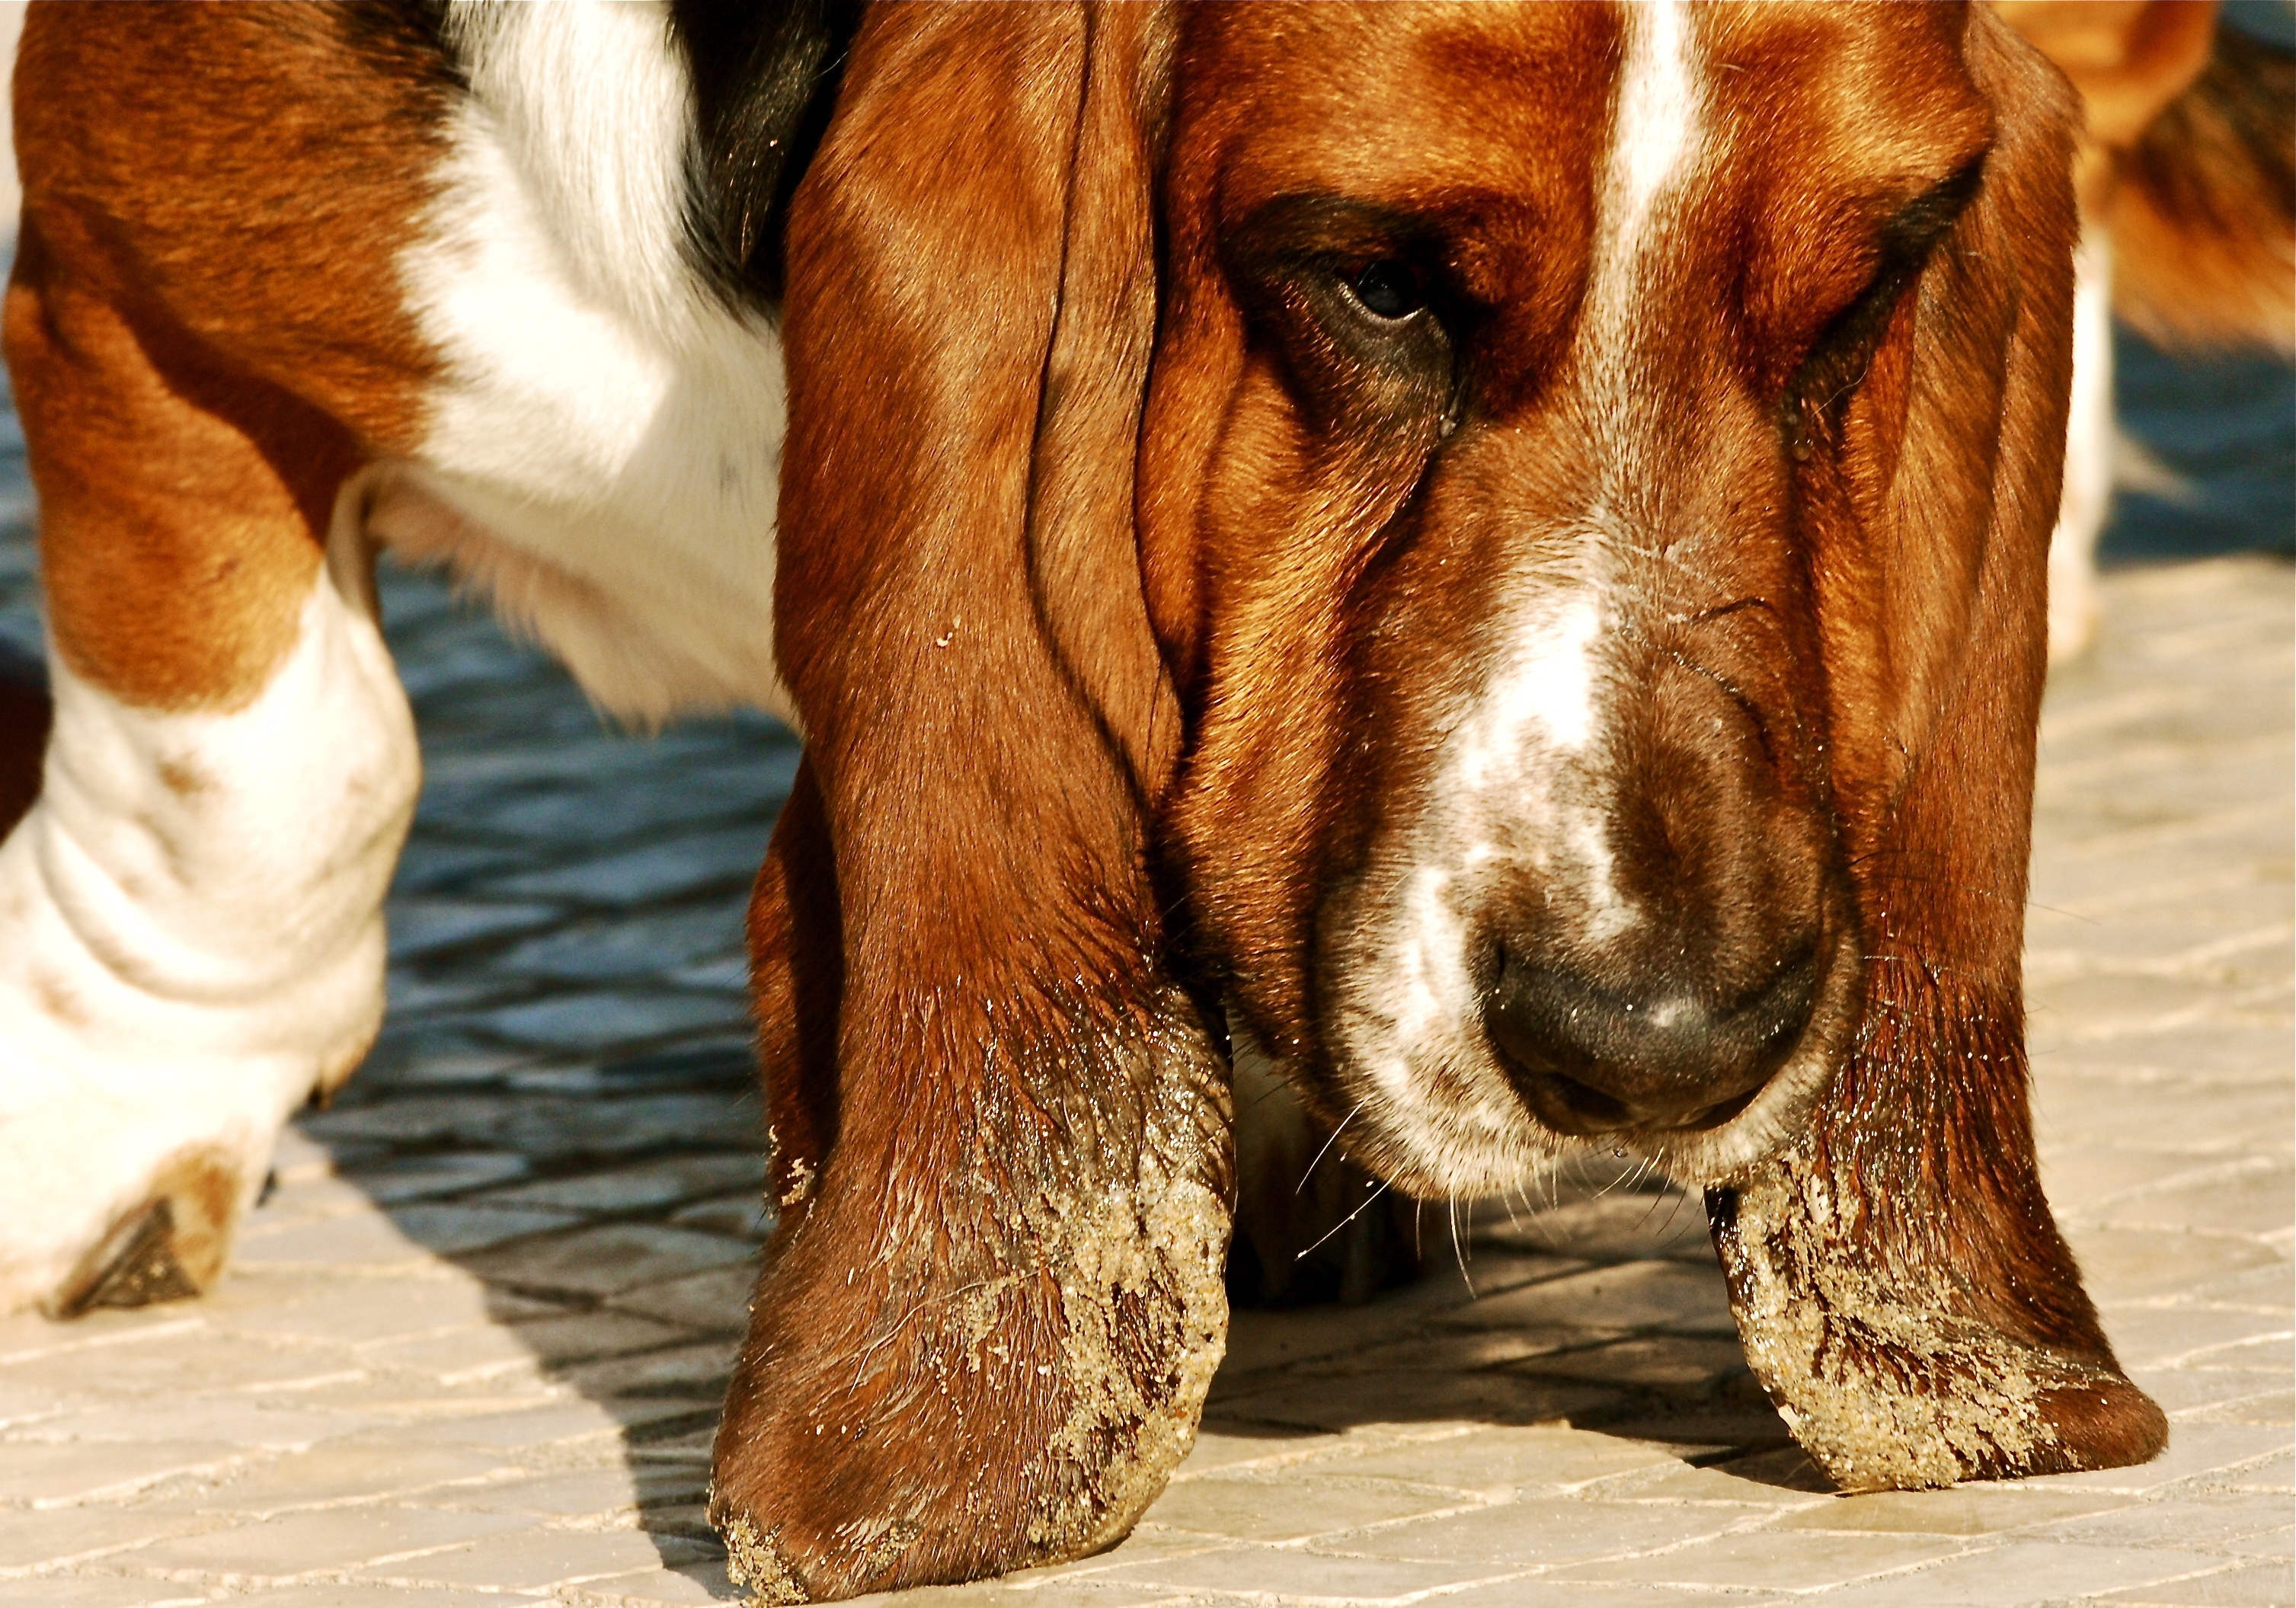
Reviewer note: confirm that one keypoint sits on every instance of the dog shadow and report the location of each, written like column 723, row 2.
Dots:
column 1596, row 1305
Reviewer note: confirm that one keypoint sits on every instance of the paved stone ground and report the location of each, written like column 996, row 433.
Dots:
column 473, row 1341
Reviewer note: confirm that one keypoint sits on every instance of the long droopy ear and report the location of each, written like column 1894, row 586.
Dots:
column 993, row 1303
column 1900, row 1285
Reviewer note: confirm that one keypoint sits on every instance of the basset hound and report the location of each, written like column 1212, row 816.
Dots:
column 1484, row 563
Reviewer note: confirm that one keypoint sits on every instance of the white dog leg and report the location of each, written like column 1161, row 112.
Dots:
column 2073, row 608
column 191, row 940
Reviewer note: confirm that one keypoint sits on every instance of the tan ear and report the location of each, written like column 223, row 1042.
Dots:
column 994, row 1305
column 1901, row 1288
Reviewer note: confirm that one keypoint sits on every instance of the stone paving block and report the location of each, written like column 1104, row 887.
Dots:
column 2187, row 1392
column 2269, row 1288
column 1245, row 1509
column 2255, row 1198
column 1776, row 1481
column 626, row 945
column 2214, row 1054
column 717, row 1301
column 1666, row 1362
column 548, row 1425
column 449, row 1227
column 36, row 1539
column 283, row 1549
column 688, row 1587
column 1546, row 1591
column 1454, row 1351
column 2151, row 1337
column 2089, row 1179
column 1969, row 1510
column 1504, row 1463
column 282, row 1423
column 1770, row 1559
column 2246, row 1586
column 344, row 1594
column 458, row 1357
column 2019, row 1573
column 424, row 926
column 43, row 1474
column 665, row 869
column 2195, row 1521
column 534, row 1561
column 1535, row 1532
column 2130, row 1265
column 329, row 1476
column 470, row 1118
column 582, row 1498
column 2195, row 1451
column 701, row 1368
column 203, row 1363
column 1623, row 1226
column 581, row 1336
column 664, row 1182
column 1222, row 1447
column 1292, row 1576
column 602, row 1127
column 1687, row 1298
column 1354, row 1400
column 358, row 1310
column 368, row 1243
column 610, row 1259
column 414, row 1177
column 102, row 1592
column 2268, row 1353
column 2276, row 1474
column 596, row 1020
column 2270, row 1407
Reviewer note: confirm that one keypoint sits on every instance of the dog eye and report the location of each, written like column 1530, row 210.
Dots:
column 1389, row 290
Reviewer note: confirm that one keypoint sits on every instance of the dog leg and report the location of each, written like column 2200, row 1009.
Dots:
column 993, row 1305
column 1901, row 1288
column 2074, row 611
column 191, row 933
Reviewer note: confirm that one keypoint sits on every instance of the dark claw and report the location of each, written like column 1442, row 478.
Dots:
column 135, row 1265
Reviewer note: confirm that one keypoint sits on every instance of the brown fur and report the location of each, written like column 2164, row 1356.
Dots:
column 196, row 371
column 2205, row 220
column 2188, row 156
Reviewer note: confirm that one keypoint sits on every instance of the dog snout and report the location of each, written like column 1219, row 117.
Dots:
column 1669, row 1050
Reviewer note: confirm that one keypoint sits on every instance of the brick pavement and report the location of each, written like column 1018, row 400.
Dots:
column 473, row 1345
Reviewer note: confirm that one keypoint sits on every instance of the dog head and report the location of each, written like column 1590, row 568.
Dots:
column 1444, row 536
column 1472, row 510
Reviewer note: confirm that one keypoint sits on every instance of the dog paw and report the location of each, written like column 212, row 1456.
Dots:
column 107, row 1200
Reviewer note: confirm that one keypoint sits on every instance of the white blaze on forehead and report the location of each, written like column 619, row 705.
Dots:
column 1655, row 129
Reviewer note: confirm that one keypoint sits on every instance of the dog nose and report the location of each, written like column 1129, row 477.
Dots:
column 1590, row 1059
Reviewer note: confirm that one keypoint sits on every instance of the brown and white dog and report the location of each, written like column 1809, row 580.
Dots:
column 1495, row 555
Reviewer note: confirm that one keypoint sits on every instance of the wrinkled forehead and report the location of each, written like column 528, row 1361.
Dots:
column 1551, row 112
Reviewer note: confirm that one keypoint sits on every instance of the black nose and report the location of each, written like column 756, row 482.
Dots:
column 1592, row 1059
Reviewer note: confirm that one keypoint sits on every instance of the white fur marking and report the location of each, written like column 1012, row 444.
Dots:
column 604, row 454
column 1655, row 133
column 191, row 931
column 2073, row 609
